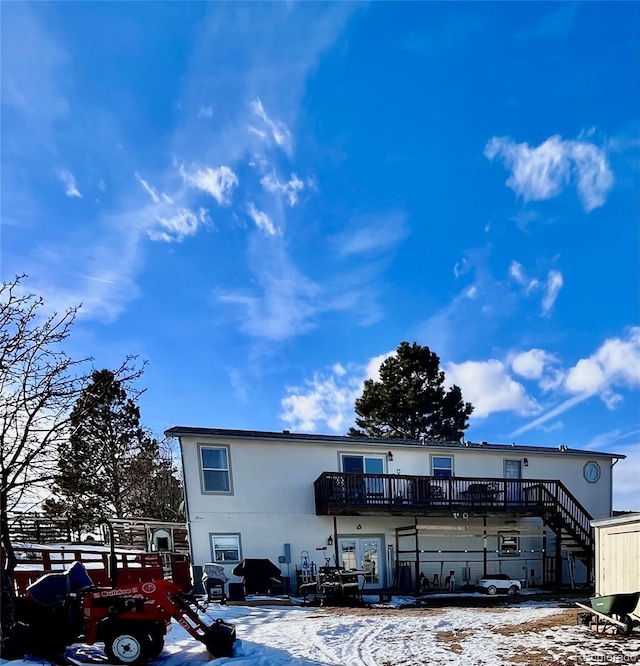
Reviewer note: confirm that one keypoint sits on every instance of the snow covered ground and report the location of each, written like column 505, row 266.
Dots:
column 533, row 633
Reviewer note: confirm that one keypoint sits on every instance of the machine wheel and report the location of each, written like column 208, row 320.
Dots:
column 156, row 638
column 512, row 590
column 628, row 622
column 492, row 589
column 128, row 645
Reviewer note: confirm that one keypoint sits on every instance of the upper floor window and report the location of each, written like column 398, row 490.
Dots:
column 216, row 477
column 442, row 466
column 362, row 464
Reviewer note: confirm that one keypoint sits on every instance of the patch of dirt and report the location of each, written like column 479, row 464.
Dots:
column 453, row 638
column 538, row 657
column 561, row 619
column 373, row 612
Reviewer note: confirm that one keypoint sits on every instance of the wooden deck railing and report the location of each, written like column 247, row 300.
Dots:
column 340, row 493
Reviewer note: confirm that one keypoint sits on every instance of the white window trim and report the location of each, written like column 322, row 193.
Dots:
column 509, row 533
column 213, row 535
column 436, row 455
column 203, row 490
column 355, row 454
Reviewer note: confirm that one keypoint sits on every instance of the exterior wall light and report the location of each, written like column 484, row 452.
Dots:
column 389, row 456
column 330, row 541
column 526, row 462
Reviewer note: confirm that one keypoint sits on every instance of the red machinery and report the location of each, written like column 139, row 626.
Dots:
column 132, row 621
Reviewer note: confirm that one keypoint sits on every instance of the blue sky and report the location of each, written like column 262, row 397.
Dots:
column 263, row 200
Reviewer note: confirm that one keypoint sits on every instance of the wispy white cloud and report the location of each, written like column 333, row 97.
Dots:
column 71, row 189
column 283, row 303
column 205, row 112
column 552, row 413
column 150, row 190
column 486, row 301
column 524, row 218
column 97, row 279
column 110, row 271
column 604, row 439
column 218, row 182
column 275, row 130
column 182, row 223
column 552, row 289
column 516, row 272
column 544, row 171
column 261, row 220
column 371, row 234
column 460, row 267
column 490, row 388
column 264, row 89
column 289, row 189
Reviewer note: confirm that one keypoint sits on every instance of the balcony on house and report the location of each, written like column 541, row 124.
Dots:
column 338, row 493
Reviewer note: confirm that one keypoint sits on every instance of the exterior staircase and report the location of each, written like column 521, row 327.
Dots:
column 569, row 521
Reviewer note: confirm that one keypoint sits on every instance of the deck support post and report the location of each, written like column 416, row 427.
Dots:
column 545, row 558
column 558, row 560
column 484, row 546
column 417, row 583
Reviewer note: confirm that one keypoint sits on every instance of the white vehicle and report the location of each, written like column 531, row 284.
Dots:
column 499, row 583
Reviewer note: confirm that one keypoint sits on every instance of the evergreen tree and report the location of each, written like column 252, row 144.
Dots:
column 410, row 400
column 95, row 466
column 158, row 492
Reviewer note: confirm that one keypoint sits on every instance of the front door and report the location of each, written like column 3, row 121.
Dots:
column 513, row 470
column 363, row 554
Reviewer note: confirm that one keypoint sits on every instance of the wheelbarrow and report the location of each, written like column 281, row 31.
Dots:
column 615, row 610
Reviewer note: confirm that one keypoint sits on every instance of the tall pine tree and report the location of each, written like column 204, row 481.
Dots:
column 94, row 477
column 410, row 400
column 111, row 467
column 158, row 493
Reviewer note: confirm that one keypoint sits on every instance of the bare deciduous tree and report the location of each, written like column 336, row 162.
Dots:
column 39, row 384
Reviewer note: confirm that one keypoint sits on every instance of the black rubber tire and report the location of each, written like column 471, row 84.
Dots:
column 156, row 637
column 512, row 590
column 492, row 590
column 128, row 644
column 628, row 621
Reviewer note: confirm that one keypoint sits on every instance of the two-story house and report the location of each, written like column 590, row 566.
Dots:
column 405, row 512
